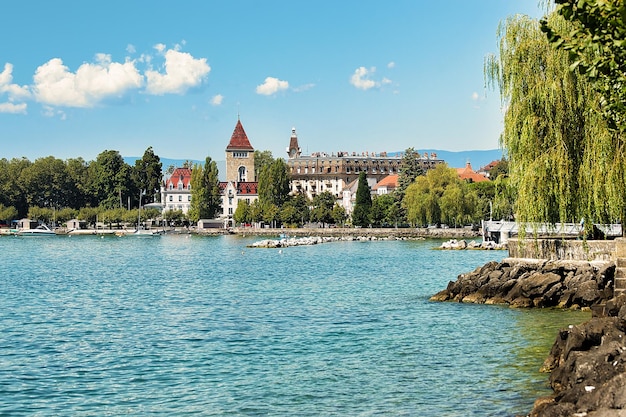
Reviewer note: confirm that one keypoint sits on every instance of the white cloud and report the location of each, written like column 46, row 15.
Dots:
column 217, row 99
column 130, row 49
column 271, row 86
column 360, row 78
column 13, row 108
column 304, row 87
column 14, row 91
column 92, row 83
column 391, row 65
column 182, row 71
column 475, row 96
column 160, row 47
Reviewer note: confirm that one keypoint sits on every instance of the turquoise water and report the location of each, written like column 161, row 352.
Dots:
column 205, row 326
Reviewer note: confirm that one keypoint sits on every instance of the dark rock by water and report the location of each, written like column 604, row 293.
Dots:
column 587, row 362
column 529, row 283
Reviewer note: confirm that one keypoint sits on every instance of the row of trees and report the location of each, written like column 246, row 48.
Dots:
column 107, row 188
column 54, row 184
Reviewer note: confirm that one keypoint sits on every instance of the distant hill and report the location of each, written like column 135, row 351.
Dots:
column 458, row 159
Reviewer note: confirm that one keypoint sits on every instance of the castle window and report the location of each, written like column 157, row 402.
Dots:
column 242, row 174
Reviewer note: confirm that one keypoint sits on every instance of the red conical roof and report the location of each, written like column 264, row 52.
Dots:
column 239, row 139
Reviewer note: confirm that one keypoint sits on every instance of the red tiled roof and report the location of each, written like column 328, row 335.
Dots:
column 469, row 174
column 179, row 174
column 243, row 188
column 239, row 139
column 390, row 181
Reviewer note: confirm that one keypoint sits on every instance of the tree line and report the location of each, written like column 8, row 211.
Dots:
column 110, row 191
column 52, row 189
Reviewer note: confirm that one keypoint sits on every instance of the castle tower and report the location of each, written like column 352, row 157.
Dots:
column 239, row 157
column 293, row 150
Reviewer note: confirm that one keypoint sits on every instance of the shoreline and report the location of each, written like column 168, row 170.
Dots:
column 587, row 362
column 332, row 232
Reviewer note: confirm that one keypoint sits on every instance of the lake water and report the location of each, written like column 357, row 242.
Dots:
column 183, row 325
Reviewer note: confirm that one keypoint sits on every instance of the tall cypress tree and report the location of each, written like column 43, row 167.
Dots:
column 205, row 191
column 363, row 203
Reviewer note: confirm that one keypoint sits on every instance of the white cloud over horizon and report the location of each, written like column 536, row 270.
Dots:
column 362, row 78
column 13, row 108
column 182, row 72
column 217, row 100
column 13, row 91
column 55, row 85
column 271, row 86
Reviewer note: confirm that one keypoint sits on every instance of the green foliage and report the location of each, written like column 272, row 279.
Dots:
column 256, row 211
column 46, row 183
column 8, row 213
column 205, row 191
column 322, row 210
column 339, row 215
column 595, row 40
column 43, row 214
column 147, row 175
column 110, row 180
column 11, row 193
column 501, row 168
column 262, row 159
column 89, row 214
column 441, row 197
column 242, row 213
column 65, row 214
column 271, row 214
column 382, row 211
column 295, row 212
column 274, row 183
column 363, row 203
column 554, row 136
column 408, row 171
column 173, row 217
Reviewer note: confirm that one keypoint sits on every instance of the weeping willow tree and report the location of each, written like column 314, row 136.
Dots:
column 553, row 134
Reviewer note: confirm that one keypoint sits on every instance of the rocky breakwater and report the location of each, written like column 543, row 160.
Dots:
column 454, row 244
column 314, row 240
column 533, row 283
column 588, row 368
column 587, row 362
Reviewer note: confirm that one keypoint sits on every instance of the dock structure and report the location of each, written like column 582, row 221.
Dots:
column 500, row 231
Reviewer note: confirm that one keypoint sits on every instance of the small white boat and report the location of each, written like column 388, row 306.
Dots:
column 39, row 231
column 145, row 233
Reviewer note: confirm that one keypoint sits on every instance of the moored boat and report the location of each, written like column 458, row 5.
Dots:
column 40, row 231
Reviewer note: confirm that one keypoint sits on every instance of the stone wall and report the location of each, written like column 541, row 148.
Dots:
column 561, row 249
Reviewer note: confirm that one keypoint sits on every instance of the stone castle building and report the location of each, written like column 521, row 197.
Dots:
column 335, row 172
column 240, row 182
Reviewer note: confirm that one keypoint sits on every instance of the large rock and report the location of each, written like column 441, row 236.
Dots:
column 588, row 364
column 522, row 283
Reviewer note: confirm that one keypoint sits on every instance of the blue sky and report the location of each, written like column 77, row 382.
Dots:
column 80, row 77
